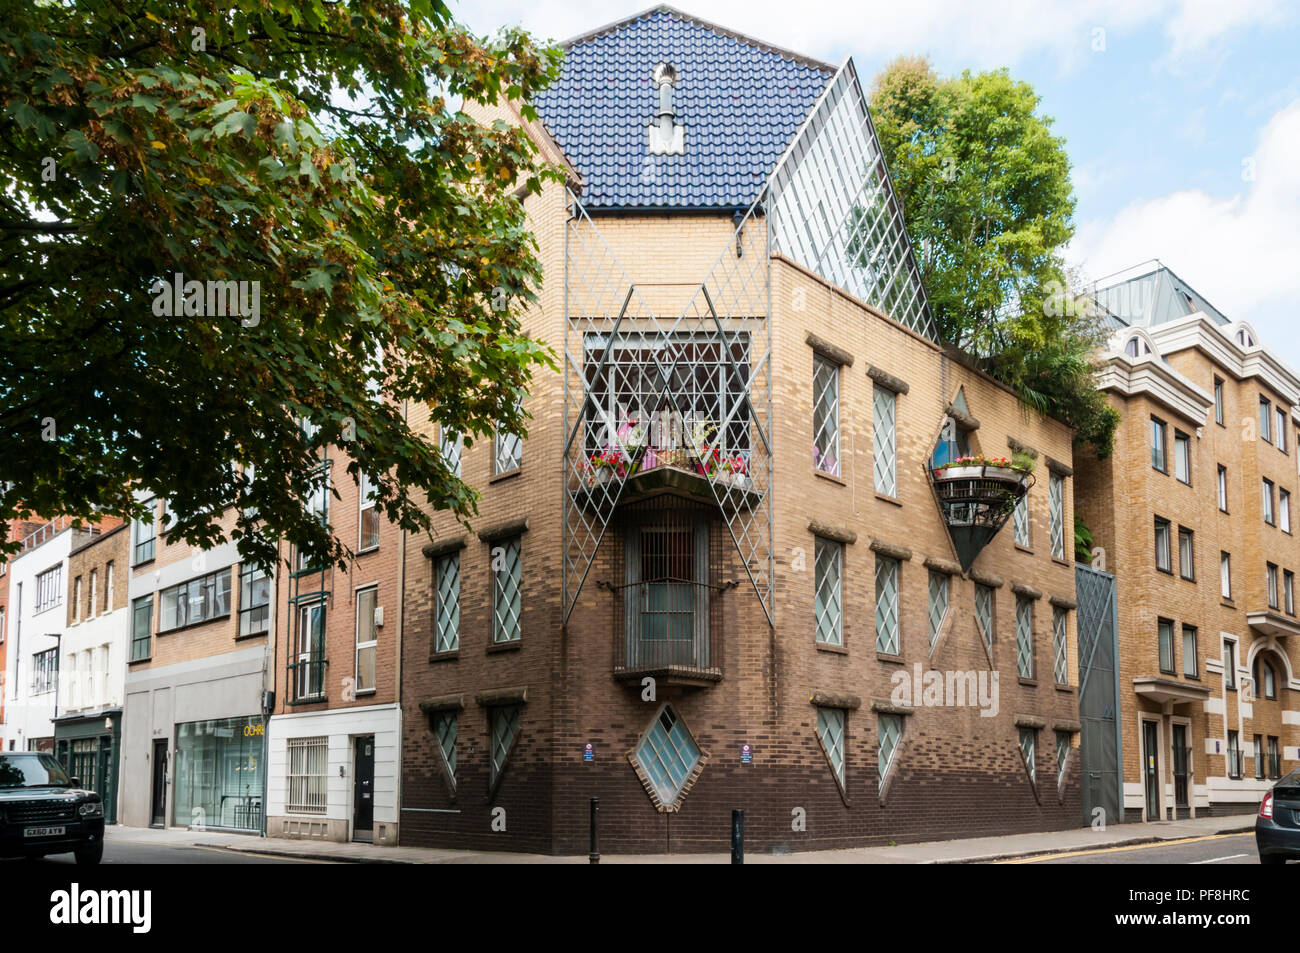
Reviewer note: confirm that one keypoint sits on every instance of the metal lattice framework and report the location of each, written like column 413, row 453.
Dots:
column 680, row 385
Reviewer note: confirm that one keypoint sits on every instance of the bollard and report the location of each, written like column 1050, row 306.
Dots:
column 593, row 856
column 738, row 837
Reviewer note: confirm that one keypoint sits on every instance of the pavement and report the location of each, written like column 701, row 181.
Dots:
column 1075, row 841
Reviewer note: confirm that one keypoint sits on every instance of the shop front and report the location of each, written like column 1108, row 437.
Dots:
column 88, row 746
column 219, row 773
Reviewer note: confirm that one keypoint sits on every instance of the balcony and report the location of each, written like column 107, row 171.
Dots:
column 666, row 633
column 307, row 679
column 977, row 500
column 1272, row 622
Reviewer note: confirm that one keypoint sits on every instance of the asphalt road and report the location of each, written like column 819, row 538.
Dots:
column 1217, row 849
column 127, row 852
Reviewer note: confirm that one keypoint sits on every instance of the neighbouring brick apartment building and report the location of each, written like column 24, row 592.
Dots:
column 721, row 569
column 1192, row 513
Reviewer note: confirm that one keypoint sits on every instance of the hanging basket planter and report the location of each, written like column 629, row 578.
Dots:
column 977, row 500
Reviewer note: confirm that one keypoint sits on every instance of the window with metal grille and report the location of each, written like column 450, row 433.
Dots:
column 1056, row 513
column 1259, row 755
column 141, row 627
column 254, row 600
column 1062, row 757
column 1182, row 457
column 984, row 605
column 1164, row 559
column 368, row 524
column 1165, row 634
column 666, row 596
column 506, row 586
column 1234, row 755
column 938, row 604
column 890, row 731
column 367, row 634
column 826, row 415
column 446, row 580
column 1060, row 647
column 507, row 452
column 142, row 534
column 49, row 588
column 667, row 755
column 1020, row 521
column 1274, row 758
column 830, row 729
column 445, row 728
column 505, row 729
column 1024, row 637
column 194, row 601
column 308, row 665
column 885, row 440
column 1028, row 746
column 887, row 605
column 451, row 444
column 1190, row 661
column 308, row 775
column 829, row 562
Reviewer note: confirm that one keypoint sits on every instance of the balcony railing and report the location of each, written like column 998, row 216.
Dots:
column 307, row 679
column 1274, row 765
column 666, row 631
column 1235, row 765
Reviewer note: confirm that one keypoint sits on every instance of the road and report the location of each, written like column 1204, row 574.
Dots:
column 1217, row 849
column 131, row 852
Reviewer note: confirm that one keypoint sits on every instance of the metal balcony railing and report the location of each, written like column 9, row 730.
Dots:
column 666, row 628
column 307, row 679
column 1235, row 764
column 1274, row 765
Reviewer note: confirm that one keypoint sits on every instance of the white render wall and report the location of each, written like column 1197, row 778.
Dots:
column 341, row 726
column 89, row 688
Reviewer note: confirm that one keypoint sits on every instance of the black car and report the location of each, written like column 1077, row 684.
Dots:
column 43, row 811
column 1277, row 828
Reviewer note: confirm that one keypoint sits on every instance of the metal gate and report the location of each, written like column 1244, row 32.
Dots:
column 1099, row 696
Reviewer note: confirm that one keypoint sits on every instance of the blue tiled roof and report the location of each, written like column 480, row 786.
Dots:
column 740, row 103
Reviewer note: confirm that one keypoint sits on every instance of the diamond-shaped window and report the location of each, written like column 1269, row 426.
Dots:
column 667, row 759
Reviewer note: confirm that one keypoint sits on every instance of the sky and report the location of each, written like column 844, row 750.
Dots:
column 1181, row 117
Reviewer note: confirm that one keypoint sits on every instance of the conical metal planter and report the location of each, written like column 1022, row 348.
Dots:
column 977, row 501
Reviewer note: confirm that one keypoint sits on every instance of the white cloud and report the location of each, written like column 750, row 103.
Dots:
column 1241, row 252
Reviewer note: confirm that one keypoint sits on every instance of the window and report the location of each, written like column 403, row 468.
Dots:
column 1186, row 554
column 254, row 600
column 1225, row 575
column 451, row 444
column 1189, row 651
column 1265, row 420
column 195, row 601
column 318, row 507
column 1062, row 757
column 885, row 440
column 307, row 670
column 367, row 639
column 1259, row 756
column 1020, row 521
column 1234, row 756
column 45, row 671
column 308, row 775
column 507, row 452
column 506, row 590
column 1274, row 758
column 141, row 627
column 1166, row 630
column 76, row 599
column 2, row 628
column 826, row 415
column 938, row 604
column 142, row 535
column 446, row 578
column 890, row 730
column 1284, row 509
column 1223, row 488
column 667, row 755
column 92, row 606
column 887, row 605
column 1218, row 401
column 830, row 729
column 1056, row 513
column 1269, row 684
column 49, row 588
column 108, row 586
column 369, row 521
column 1230, row 664
column 1028, row 743
column 667, row 597
column 1280, row 429
column 1271, row 572
column 1024, row 637
column 1158, row 445
column 1288, row 591
column 828, row 570
column 1163, row 558
column 1060, row 647
column 1267, row 489
column 1182, row 457
column 984, row 613
column 445, row 728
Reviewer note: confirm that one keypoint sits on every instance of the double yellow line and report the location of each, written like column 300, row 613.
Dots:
column 1039, row 858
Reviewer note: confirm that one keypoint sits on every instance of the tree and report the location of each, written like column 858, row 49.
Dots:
column 215, row 221
column 986, row 192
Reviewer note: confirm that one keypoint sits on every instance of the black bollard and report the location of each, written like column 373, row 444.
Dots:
column 593, row 856
column 737, row 837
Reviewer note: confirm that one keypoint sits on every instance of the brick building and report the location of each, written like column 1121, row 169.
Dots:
column 1192, row 513
column 722, row 571
column 335, row 736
